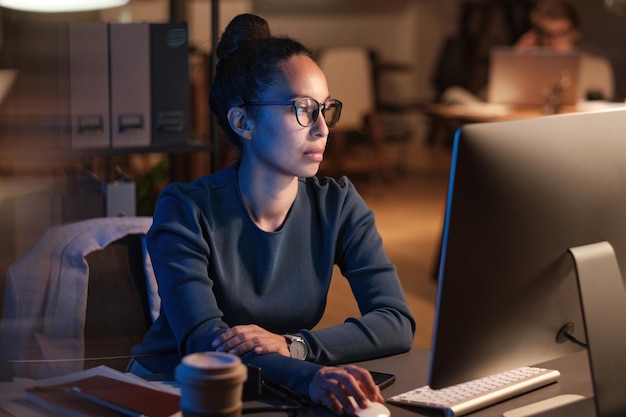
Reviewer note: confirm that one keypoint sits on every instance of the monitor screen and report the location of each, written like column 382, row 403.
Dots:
column 521, row 194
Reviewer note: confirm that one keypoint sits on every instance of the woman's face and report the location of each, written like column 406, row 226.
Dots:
column 278, row 142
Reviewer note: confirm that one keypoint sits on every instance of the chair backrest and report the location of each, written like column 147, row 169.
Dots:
column 118, row 308
column 350, row 76
column 85, row 290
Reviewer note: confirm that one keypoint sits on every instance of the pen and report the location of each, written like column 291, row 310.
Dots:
column 97, row 400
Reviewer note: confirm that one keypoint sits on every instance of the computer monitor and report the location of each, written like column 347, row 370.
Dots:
column 521, row 194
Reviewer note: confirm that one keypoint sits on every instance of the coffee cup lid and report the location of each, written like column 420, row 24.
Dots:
column 211, row 360
column 198, row 368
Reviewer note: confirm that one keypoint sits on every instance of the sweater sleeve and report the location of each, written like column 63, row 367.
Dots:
column 386, row 325
column 180, row 259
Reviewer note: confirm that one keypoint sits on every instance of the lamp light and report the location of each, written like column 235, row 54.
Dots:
column 55, row 6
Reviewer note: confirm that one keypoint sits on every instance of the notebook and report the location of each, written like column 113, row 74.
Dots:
column 103, row 396
column 525, row 78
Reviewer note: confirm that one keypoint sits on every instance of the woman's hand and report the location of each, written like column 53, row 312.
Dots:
column 242, row 339
column 332, row 386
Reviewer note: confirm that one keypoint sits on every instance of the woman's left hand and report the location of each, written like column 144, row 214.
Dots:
column 242, row 339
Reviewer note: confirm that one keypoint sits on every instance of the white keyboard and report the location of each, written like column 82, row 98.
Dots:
column 461, row 399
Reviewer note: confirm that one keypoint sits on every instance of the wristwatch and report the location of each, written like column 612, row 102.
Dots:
column 297, row 347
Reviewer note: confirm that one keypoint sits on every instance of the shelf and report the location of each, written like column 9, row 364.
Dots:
column 38, row 152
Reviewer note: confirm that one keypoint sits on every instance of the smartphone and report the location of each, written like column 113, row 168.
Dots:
column 382, row 379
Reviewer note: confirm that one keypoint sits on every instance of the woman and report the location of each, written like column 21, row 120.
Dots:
column 244, row 257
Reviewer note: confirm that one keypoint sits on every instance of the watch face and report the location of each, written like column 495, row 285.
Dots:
column 297, row 349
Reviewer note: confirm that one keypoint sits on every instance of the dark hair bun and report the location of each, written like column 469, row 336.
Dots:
column 245, row 27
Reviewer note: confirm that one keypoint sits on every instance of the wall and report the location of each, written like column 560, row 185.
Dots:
column 407, row 32
column 198, row 16
column 605, row 33
column 400, row 31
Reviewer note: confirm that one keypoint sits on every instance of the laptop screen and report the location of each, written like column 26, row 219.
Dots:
column 526, row 78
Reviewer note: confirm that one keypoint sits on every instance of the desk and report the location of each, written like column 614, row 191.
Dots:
column 445, row 119
column 411, row 371
column 485, row 112
column 452, row 116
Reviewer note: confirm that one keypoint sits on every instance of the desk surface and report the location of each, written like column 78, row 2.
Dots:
column 485, row 112
column 411, row 371
column 488, row 112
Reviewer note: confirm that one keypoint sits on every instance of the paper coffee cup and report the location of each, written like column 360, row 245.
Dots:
column 211, row 384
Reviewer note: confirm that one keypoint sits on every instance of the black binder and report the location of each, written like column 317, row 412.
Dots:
column 169, row 65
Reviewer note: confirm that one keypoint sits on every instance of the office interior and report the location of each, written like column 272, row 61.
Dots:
column 407, row 37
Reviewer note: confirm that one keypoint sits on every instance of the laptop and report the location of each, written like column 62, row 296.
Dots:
column 526, row 78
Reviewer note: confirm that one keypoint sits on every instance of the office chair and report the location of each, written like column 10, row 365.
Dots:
column 350, row 76
column 81, row 297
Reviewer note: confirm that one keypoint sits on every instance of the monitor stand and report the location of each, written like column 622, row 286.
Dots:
column 603, row 301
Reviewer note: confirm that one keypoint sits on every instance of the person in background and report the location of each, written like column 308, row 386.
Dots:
column 556, row 26
column 244, row 257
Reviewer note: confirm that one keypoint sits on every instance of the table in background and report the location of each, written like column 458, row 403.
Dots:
column 445, row 119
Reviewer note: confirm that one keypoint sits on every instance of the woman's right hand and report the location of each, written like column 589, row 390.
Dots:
column 332, row 386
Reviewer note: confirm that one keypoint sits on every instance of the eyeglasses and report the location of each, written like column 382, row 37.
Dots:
column 308, row 110
column 553, row 34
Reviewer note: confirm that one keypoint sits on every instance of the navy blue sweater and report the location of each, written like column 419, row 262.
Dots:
column 215, row 269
